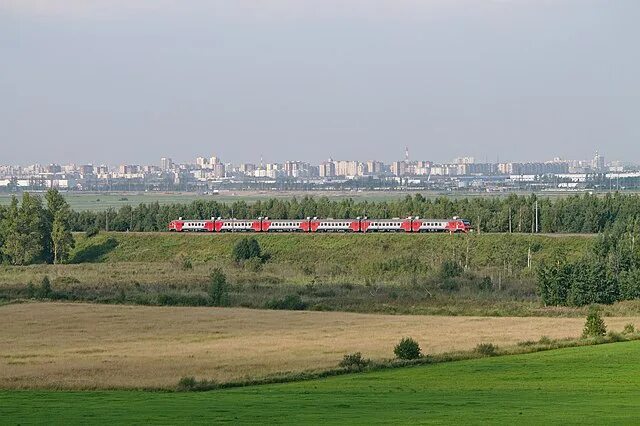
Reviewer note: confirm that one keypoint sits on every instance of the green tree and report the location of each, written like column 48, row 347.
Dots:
column 60, row 238
column 218, row 288
column 407, row 348
column 594, row 325
column 24, row 231
column 246, row 248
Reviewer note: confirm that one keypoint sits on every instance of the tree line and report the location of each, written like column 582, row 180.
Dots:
column 608, row 273
column 33, row 231
column 522, row 214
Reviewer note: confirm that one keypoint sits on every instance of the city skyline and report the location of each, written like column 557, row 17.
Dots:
column 406, row 155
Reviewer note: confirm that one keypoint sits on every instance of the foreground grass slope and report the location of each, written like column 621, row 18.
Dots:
column 584, row 385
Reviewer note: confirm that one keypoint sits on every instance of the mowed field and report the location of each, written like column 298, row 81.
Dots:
column 583, row 385
column 84, row 346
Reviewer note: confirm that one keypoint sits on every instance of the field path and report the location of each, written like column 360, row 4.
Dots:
column 86, row 346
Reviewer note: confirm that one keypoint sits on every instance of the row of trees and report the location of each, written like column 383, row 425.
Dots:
column 608, row 273
column 31, row 231
column 576, row 214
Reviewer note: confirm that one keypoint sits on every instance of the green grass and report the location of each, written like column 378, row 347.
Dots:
column 582, row 385
column 342, row 249
column 383, row 273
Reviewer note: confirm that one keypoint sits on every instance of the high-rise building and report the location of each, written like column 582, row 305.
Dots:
column 346, row 168
column 166, row 164
column 374, row 167
column 399, row 168
column 598, row 162
column 327, row 169
column 219, row 170
column 202, row 162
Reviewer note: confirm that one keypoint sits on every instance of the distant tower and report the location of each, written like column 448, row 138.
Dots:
column 406, row 153
column 261, row 162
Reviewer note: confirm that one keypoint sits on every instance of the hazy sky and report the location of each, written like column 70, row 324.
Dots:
column 133, row 80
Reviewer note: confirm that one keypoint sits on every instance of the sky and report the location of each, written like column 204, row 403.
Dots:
column 130, row 81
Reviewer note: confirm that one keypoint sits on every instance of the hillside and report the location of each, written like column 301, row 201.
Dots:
column 486, row 274
column 567, row 385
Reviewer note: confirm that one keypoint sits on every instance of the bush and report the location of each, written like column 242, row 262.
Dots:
column 91, row 232
column 616, row 337
column 178, row 299
column 449, row 284
column 407, row 349
column 450, row 269
column 629, row 329
column 594, row 326
column 291, row 302
column 354, row 360
column 487, row 349
column 545, row 340
column 187, row 383
column 485, row 284
column 246, row 248
column 218, row 289
column 44, row 291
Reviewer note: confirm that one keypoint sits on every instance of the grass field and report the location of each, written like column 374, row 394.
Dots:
column 83, row 346
column 585, row 385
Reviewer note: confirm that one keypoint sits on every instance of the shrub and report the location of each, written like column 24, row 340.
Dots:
column 545, row 340
column 629, row 329
column 182, row 299
column 354, row 360
column 31, row 291
column 407, row 349
column 245, row 249
column 91, row 232
column 44, row 291
column 218, row 289
column 450, row 269
column 190, row 383
column 485, row 284
column 449, row 284
column 594, row 325
column 616, row 337
column 187, row 383
column 122, row 296
column 291, row 302
column 487, row 349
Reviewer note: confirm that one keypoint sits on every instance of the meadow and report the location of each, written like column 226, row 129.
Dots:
column 84, row 346
column 582, row 385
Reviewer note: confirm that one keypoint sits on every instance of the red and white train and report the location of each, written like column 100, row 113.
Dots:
column 362, row 225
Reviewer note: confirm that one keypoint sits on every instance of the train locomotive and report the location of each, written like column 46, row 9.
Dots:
column 315, row 225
